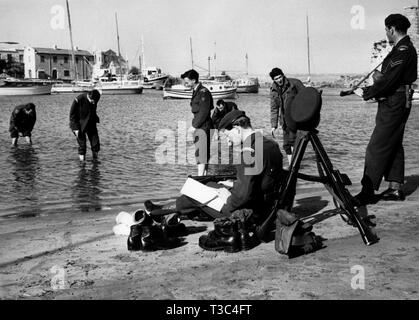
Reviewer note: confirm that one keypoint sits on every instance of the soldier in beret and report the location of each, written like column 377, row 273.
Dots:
column 282, row 92
column 201, row 106
column 385, row 155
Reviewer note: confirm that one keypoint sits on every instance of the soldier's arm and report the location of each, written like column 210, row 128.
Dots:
column 33, row 120
column 391, row 76
column 74, row 116
column 275, row 107
column 13, row 118
column 204, row 110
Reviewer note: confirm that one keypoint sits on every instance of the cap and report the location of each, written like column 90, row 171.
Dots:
column 228, row 120
column 397, row 20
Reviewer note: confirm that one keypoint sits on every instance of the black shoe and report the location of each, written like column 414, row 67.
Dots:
column 150, row 206
column 392, row 195
column 216, row 242
column 134, row 240
column 248, row 239
column 175, row 231
column 363, row 199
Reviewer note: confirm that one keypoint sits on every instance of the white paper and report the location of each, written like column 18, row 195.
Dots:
column 202, row 194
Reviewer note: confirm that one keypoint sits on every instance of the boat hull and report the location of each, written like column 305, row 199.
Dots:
column 25, row 91
column 70, row 89
column 155, row 83
column 110, row 91
column 248, row 89
column 169, row 93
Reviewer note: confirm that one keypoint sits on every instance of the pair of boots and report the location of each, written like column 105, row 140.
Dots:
column 149, row 235
column 230, row 235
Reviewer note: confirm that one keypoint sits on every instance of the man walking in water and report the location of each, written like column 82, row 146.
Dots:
column 83, row 119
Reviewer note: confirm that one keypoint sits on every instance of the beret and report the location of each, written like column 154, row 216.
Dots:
column 305, row 109
column 397, row 20
column 228, row 120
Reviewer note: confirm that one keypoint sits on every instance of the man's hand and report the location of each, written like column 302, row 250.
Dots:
column 227, row 183
column 76, row 132
column 273, row 132
column 223, row 194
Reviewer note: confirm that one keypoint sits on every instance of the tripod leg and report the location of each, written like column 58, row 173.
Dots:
column 340, row 193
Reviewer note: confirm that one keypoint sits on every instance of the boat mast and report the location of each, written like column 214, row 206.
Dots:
column 142, row 66
column 247, row 65
column 190, row 41
column 73, row 58
column 119, row 49
column 308, row 48
column 215, row 57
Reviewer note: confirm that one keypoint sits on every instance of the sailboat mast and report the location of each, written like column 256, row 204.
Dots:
column 73, row 58
column 308, row 48
column 190, row 41
column 247, row 65
column 142, row 55
column 119, row 49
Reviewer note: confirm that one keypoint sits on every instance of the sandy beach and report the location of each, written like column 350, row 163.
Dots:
column 78, row 257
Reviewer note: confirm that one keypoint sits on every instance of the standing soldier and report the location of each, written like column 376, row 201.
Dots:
column 392, row 88
column 83, row 119
column 283, row 91
column 22, row 121
column 201, row 105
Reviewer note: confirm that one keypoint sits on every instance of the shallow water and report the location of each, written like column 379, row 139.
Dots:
column 47, row 178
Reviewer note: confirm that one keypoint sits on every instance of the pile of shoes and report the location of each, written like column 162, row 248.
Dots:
column 148, row 234
column 230, row 235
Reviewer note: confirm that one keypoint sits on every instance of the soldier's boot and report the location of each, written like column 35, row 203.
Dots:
column 248, row 239
column 225, row 236
column 152, row 238
column 134, row 242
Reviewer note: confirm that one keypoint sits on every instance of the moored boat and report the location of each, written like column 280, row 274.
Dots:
column 119, row 87
column 246, row 85
column 25, row 87
column 153, row 78
column 218, row 91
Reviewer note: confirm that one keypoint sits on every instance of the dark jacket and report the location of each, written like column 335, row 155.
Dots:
column 281, row 99
column 21, row 121
column 255, row 191
column 201, row 106
column 399, row 68
column 218, row 114
column 83, row 114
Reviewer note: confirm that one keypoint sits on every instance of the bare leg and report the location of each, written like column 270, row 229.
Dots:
column 82, row 157
column 28, row 140
column 202, row 169
column 14, row 142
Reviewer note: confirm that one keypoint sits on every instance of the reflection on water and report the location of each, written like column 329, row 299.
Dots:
column 24, row 170
column 49, row 179
column 86, row 188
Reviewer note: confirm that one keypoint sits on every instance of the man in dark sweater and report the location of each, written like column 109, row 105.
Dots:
column 22, row 121
column 83, row 119
column 222, row 108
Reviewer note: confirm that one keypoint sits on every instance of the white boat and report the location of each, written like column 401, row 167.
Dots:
column 121, row 86
column 246, row 85
column 153, row 78
column 25, row 87
column 219, row 90
column 78, row 86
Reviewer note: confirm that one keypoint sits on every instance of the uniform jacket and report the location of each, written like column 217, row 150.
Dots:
column 281, row 99
column 83, row 114
column 201, row 106
column 218, row 114
column 398, row 68
column 21, row 121
column 251, row 190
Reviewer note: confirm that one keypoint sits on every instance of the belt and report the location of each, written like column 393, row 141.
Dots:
column 404, row 88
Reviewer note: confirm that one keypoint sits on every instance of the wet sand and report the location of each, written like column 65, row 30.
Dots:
column 78, row 257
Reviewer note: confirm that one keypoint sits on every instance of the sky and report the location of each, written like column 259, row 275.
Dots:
column 272, row 33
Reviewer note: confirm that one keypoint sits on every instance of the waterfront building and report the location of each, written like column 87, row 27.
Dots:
column 56, row 63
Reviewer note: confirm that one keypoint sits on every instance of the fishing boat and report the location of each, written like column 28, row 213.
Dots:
column 75, row 87
column 153, row 78
column 246, row 85
column 219, row 90
column 25, row 87
column 118, row 86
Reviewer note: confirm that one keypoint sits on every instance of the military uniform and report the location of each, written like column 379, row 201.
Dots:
column 22, row 122
column 250, row 191
column 385, row 153
column 201, row 106
column 281, row 99
column 219, row 114
column 83, row 117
